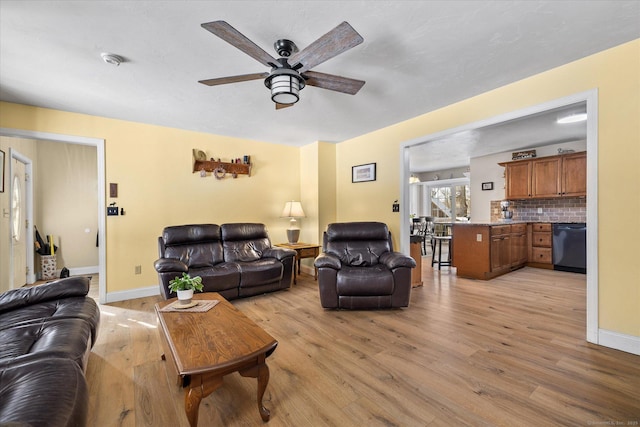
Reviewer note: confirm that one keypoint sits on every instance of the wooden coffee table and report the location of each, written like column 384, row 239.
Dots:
column 204, row 347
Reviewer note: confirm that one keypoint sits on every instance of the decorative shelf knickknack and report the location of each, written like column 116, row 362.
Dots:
column 221, row 169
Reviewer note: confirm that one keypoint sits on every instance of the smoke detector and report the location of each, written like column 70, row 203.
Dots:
column 112, row 59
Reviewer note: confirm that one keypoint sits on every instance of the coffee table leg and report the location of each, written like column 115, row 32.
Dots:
column 261, row 372
column 198, row 389
column 192, row 399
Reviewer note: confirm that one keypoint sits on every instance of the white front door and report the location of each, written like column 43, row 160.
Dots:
column 18, row 224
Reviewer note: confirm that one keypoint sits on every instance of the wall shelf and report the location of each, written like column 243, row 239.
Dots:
column 217, row 168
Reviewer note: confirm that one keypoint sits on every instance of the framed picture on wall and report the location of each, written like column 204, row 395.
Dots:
column 363, row 173
column 1, row 171
column 487, row 186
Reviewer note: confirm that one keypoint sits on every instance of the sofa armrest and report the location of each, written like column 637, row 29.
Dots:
column 325, row 260
column 278, row 253
column 62, row 288
column 168, row 265
column 395, row 260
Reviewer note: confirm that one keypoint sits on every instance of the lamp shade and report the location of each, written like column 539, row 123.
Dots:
column 293, row 210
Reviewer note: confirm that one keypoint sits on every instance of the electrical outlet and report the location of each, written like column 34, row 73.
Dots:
column 138, row 269
column 112, row 210
column 478, row 237
column 539, row 210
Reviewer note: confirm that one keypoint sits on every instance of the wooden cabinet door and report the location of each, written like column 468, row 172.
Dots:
column 518, row 180
column 574, row 174
column 519, row 249
column 545, row 177
column 500, row 253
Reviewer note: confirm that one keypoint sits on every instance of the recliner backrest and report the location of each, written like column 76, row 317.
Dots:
column 244, row 241
column 196, row 245
column 357, row 243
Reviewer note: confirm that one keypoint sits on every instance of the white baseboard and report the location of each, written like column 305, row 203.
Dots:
column 308, row 269
column 81, row 271
column 618, row 341
column 132, row 294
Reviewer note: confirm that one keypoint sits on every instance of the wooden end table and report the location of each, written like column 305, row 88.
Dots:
column 204, row 347
column 303, row 250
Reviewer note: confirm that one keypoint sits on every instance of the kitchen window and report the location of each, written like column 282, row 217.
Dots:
column 446, row 200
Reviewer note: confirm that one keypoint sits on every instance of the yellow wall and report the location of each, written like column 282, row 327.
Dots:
column 327, row 189
column 615, row 73
column 153, row 168
column 66, row 176
column 318, row 191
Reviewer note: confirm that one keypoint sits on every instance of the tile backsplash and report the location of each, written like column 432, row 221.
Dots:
column 566, row 209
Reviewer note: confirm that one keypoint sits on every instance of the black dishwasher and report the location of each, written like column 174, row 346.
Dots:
column 570, row 247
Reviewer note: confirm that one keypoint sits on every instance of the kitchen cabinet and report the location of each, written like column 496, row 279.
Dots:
column 485, row 251
column 500, row 248
column 574, row 174
column 546, row 177
column 519, row 248
column 518, row 180
column 540, row 249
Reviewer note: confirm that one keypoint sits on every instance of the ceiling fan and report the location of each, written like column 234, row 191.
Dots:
column 291, row 72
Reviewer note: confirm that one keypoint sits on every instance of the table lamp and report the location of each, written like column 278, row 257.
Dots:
column 293, row 210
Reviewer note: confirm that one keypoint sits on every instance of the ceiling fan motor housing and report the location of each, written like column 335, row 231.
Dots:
column 285, row 47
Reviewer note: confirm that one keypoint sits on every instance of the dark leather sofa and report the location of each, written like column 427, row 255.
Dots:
column 46, row 335
column 358, row 268
column 235, row 260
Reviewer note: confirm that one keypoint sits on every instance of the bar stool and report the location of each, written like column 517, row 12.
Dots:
column 437, row 246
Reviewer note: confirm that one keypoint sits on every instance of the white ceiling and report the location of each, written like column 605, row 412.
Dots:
column 417, row 56
column 528, row 132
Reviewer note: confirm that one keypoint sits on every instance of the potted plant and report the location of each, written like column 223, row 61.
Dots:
column 184, row 286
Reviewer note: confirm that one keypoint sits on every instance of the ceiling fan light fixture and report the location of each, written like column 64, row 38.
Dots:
column 285, row 85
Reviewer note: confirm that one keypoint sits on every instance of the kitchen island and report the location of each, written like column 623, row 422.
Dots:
column 484, row 250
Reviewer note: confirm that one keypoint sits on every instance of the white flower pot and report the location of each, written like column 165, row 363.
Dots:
column 185, row 296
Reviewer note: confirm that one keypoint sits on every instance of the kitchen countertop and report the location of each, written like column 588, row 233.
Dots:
column 507, row 222
column 504, row 222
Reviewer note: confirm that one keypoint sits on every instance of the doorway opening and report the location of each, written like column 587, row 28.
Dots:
column 101, row 201
column 445, row 138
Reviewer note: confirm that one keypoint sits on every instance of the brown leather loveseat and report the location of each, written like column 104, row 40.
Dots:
column 235, row 260
column 46, row 335
column 358, row 268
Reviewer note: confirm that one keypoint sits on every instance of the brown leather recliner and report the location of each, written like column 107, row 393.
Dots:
column 235, row 260
column 358, row 268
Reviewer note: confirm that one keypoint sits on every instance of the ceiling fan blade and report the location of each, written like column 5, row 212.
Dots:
column 233, row 79
column 232, row 36
column 281, row 106
column 331, row 82
column 341, row 38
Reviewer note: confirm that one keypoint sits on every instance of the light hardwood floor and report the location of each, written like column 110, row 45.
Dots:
column 507, row 352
